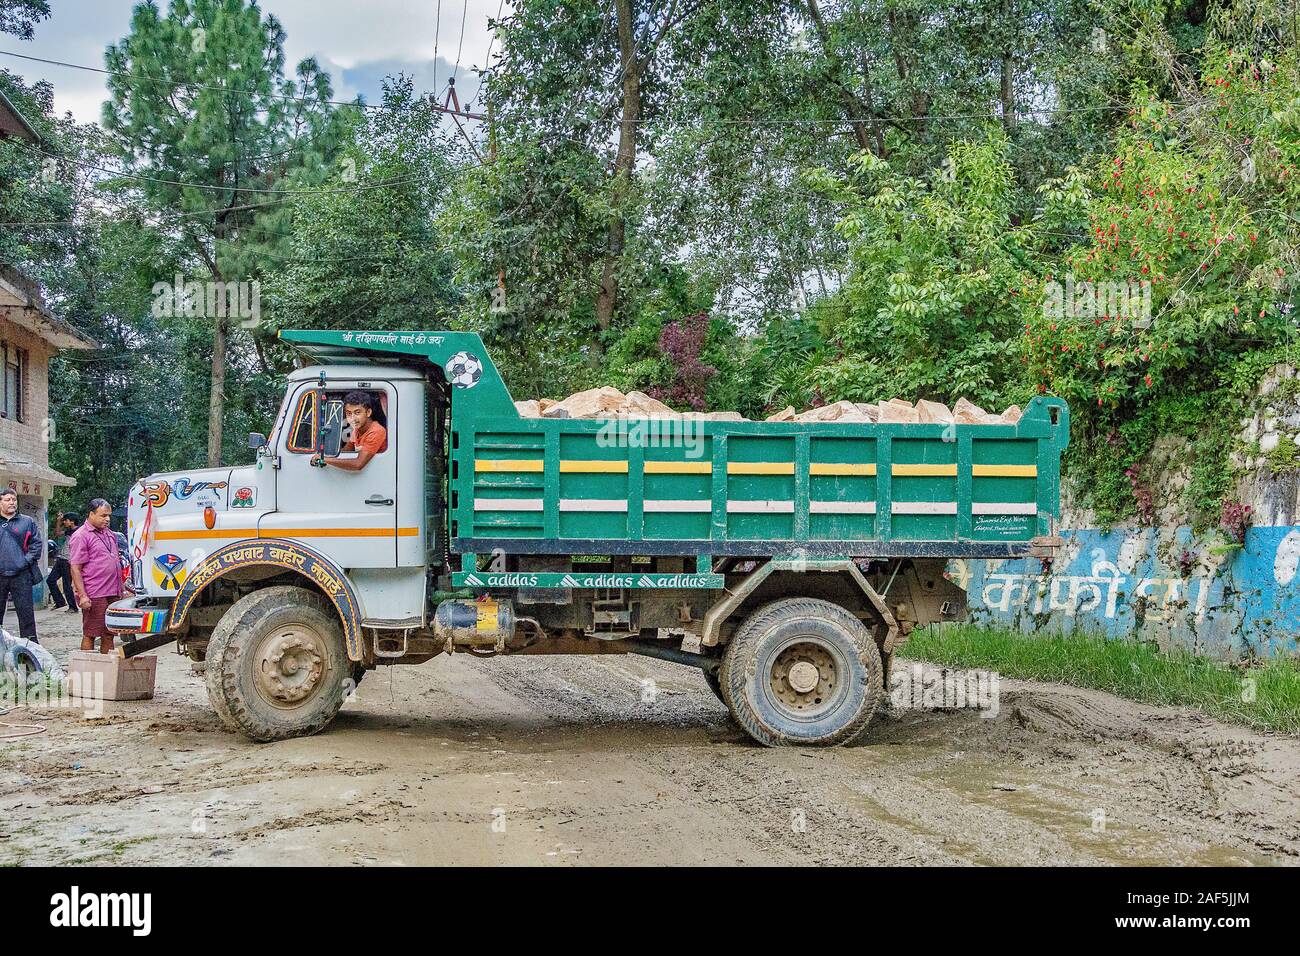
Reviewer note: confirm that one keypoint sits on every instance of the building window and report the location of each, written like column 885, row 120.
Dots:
column 15, row 382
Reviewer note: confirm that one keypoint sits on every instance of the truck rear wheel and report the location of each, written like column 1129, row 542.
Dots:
column 801, row 671
column 276, row 664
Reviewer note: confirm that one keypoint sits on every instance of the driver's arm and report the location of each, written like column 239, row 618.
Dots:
column 351, row 464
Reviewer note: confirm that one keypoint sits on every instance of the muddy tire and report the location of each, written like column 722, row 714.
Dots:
column 276, row 664
column 804, row 672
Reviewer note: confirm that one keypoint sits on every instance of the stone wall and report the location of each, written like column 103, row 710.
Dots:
column 1164, row 583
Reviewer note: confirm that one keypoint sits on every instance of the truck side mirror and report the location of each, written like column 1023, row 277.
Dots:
column 331, row 438
column 256, row 441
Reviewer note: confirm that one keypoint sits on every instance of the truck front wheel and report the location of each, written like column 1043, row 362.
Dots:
column 801, row 671
column 276, row 664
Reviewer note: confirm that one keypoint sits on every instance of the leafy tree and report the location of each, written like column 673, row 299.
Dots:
column 19, row 17
column 133, row 406
column 37, row 189
column 1193, row 206
column 527, row 226
column 373, row 256
column 935, row 292
column 576, row 100
column 212, row 129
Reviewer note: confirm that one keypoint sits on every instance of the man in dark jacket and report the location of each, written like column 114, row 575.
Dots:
column 20, row 554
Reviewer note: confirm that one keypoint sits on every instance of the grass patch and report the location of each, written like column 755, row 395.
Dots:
column 13, row 690
column 42, row 693
column 1264, row 695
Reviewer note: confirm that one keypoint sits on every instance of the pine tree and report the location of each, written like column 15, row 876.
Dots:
column 218, row 138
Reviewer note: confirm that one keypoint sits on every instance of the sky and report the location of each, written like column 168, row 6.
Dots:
column 358, row 44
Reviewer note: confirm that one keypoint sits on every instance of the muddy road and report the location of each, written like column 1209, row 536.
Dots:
column 569, row 761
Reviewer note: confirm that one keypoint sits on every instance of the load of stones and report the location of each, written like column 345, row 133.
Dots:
column 609, row 402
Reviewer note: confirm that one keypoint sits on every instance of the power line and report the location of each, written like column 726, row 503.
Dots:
column 437, row 31
column 186, row 83
column 231, row 188
column 464, row 14
column 487, row 61
column 645, row 121
column 170, row 217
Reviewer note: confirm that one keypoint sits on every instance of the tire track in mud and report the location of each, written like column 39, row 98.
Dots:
column 1024, row 787
column 799, row 811
column 582, row 768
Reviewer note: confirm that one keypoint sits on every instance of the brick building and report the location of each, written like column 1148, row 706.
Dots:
column 30, row 334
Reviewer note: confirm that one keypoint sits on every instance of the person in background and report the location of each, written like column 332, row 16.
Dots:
column 96, row 574
column 59, row 579
column 124, row 556
column 20, row 556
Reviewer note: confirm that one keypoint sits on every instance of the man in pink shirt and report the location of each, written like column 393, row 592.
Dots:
column 96, row 575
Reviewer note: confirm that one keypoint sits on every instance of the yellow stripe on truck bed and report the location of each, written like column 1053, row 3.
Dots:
column 842, row 468
column 507, row 464
column 760, row 468
column 1004, row 471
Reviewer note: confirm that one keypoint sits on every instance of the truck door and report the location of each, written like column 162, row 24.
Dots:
column 350, row 516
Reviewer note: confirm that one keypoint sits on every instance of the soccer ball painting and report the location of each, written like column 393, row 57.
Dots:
column 464, row 370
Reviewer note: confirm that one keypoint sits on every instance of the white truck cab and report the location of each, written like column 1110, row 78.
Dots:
column 372, row 523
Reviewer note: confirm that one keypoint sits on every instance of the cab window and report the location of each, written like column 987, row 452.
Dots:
column 302, row 428
column 335, row 410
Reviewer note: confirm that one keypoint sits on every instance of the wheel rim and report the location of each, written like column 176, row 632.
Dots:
column 805, row 678
column 289, row 665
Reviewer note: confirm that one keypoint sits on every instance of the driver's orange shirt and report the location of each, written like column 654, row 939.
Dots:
column 374, row 439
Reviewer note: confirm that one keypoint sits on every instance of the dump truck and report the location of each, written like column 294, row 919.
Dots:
column 787, row 561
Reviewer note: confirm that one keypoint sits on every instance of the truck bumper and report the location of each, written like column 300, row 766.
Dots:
column 137, row 615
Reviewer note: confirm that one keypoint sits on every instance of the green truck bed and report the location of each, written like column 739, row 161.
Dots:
column 756, row 488
column 707, row 488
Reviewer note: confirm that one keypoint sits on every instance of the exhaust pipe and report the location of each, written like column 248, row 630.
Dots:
column 650, row 649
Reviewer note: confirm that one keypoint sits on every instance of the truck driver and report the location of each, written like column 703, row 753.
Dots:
column 369, row 436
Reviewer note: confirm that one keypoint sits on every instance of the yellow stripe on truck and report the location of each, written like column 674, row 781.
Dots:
column 902, row 469
column 678, row 467
column 594, row 466
column 842, row 468
column 760, row 468
column 507, row 464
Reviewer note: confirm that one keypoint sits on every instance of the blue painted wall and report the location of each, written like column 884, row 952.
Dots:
column 1129, row 582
